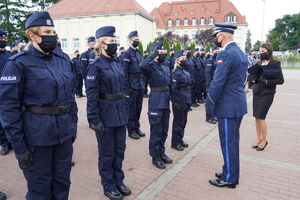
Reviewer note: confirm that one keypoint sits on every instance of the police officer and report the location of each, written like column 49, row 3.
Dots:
column 146, row 82
column 77, row 68
column 85, row 56
column 189, row 66
column 106, row 110
column 39, row 112
column 13, row 48
column 4, row 55
column 197, row 75
column 170, row 59
column 227, row 101
column 135, row 85
column 215, row 51
column 181, row 100
column 159, row 110
column 20, row 44
column 120, row 57
column 202, row 88
column 2, row 196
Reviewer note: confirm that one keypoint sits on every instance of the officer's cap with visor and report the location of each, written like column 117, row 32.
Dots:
column 157, row 46
column 106, row 31
column 179, row 54
column 145, row 51
column 3, row 33
column 186, row 48
column 20, row 40
column 197, row 49
column 76, row 51
column 39, row 19
column 133, row 33
column 171, row 49
column 220, row 27
column 12, row 45
column 202, row 49
column 91, row 39
column 121, row 48
column 215, row 47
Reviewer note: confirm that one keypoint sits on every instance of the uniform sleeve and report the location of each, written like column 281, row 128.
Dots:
column 174, row 83
column 145, row 65
column 280, row 79
column 84, row 63
column 92, row 90
column 11, row 91
column 126, row 63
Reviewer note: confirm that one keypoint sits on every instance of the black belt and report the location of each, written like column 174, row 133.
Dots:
column 111, row 96
column 159, row 89
column 135, row 75
column 185, row 88
column 49, row 110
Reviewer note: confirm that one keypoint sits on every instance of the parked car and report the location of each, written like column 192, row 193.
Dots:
column 278, row 54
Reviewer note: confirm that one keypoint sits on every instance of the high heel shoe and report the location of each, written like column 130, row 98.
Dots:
column 255, row 146
column 261, row 149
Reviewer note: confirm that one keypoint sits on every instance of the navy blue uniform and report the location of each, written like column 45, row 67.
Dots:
column 85, row 60
column 171, row 63
column 227, row 100
column 158, row 107
column 146, row 82
column 33, row 79
column 106, row 77
column 202, row 92
column 197, row 76
column 181, row 83
column 79, row 80
column 4, row 55
column 135, row 84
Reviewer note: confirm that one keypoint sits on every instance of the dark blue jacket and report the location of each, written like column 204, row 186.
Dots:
column 181, row 78
column 105, row 76
column 85, row 57
column 171, row 62
column 4, row 55
column 77, row 65
column 203, row 65
column 158, row 76
column 190, row 67
column 131, row 62
column 209, row 70
column 37, row 79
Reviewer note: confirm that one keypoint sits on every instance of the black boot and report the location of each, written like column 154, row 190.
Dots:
column 157, row 162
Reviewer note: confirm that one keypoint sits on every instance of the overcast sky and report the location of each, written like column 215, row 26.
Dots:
column 253, row 9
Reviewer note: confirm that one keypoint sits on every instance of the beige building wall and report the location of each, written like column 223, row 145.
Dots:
column 73, row 32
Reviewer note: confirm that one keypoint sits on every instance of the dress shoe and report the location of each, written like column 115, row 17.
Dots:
column 219, row 175
column 134, row 135
column 5, row 150
column 178, row 147
column 183, row 144
column 91, row 126
column 114, row 195
column 220, row 183
column 254, row 146
column 72, row 163
column 140, row 133
column 125, row 191
column 2, row 196
column 190, row 109
column 261, row 149
column 157, row 162
column 166, row 159
column 211, row 121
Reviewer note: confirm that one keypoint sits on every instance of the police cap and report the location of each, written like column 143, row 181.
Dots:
column 76, row 51
column 106, row 31
column 157, row 46
column 91, row 39
column 171, row 49
column 145, row 51
column 197, row 49
column 215, row 47
column 220, row 27
column 202, row 49
column 187, row 48
column 121, row 48
column 3, row 33
column 39, row 19
column 20, row 40
column 133, row 33
column 12, row 45
column 179, row 54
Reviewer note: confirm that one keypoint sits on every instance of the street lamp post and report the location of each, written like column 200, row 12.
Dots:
column 263, row 19
column 109, row 13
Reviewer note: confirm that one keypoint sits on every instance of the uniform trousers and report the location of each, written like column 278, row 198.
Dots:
column 159, row 126
column 48, row 178
column 135, row 103
column 79, row 84
column 179, row 123
column 146, row 85
column 229, row 134
column 202, row 92
column 111, row 148
column 3, row 138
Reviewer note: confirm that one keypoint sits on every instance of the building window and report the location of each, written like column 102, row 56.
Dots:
column 191, row 13
column 185, row 22
column 175, row 13
column 202, row 21
column 193, row 34
column 170, row 22
column 177, row 22
column 76, row 43
column 177, row 33
column 194, row 21
column 230, row 18
column 211, row 20
column 64, row 43
column 238, row 33
column 185, row 33
column 158, row 33
column 118, row 42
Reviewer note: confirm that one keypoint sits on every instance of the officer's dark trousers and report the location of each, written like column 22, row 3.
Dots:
column 179, row 122
column 159, row 126
column 111, row 148
column 79, row 81
column 202, row 88
column 48, row 178
column 229, row 134
column 146, row 85
column 3, row 138
column 135, row 103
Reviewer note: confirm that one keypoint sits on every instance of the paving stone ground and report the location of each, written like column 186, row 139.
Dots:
column 271, row 174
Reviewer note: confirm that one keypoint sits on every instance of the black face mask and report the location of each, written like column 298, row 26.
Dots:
column 182, row 63
column 111, row 48
column 135, row 43
column 264, row 56
column 146, row 56
column 197, row 55
column 48, row 44
column 161, row 57
column 172, row 55
column 3, row 43
column 188, row 54
column 202, row 55
column 208, row 56
column 16, row 51
column 215, row 55
column 78, row 55
column 215, row 40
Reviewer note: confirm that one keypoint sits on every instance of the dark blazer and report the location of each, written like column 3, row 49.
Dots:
column 270, row 87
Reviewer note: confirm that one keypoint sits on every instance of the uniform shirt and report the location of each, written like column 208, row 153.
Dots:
column 33, row 78
column 226, row 92
column 4, row 55
column 106, row 76
column 158, row 76
column 181, row 78
column 85, row 56
column 77, row 65
column 131, row 61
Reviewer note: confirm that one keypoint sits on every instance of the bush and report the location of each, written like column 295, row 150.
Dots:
column 293, row 58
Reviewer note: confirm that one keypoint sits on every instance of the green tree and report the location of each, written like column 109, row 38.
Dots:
column 256, row 45
column 140, row 48
column 13, row 15
column 248, row 44
column 274, row 39
column 193, row 46
column 166, row 45
column 41, row 5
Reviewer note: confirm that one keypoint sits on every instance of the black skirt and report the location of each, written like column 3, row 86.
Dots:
column 261, row 104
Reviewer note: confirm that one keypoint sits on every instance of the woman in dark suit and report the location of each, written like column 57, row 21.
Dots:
column 263, row 92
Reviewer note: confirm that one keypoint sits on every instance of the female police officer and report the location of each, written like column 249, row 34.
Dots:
column 106, row 111
column 181, row 99
column 159, row 111
column 39, row 112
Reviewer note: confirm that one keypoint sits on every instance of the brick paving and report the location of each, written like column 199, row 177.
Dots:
column 271, row 174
